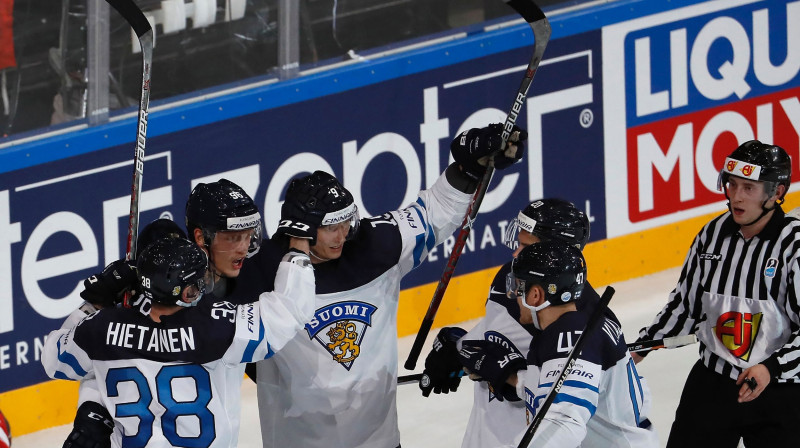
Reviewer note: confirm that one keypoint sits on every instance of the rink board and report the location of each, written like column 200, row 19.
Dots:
column 629, row 115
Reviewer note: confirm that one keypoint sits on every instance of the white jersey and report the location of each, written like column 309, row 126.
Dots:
column 602, row 403
column 493, row 422
column 177, row 382
column 334, row 386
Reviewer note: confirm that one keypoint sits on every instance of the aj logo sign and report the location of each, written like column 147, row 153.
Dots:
column 737, row 332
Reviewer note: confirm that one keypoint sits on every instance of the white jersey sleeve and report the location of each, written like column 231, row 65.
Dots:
column 62, row 358
column 427, row 222
column 280, row 314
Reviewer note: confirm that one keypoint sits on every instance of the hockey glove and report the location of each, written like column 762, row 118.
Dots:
column 302, row 212
column 443, row 371
column 92, row 428
column 107, row 288
column 471, row 149
column 492, row 362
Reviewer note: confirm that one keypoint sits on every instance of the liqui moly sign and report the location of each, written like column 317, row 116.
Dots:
column 685, row 87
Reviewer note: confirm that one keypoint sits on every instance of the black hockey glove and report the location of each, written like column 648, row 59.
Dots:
column 302, row 211
column 493, row 363
column 92, row 428
column 443, row 371
column 471, row 149
column 107, row 288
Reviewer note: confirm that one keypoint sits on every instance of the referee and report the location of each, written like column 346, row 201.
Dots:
column 738, row 292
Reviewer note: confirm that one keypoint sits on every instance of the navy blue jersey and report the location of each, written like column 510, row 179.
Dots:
column 177, row 382
column 603, row 400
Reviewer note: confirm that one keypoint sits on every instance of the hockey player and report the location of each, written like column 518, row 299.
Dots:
column 603, row 402
column 493, row 420
column 738, row 293
column 173, row 377
column 224, row 221
column 5, row 432
column 334, row 386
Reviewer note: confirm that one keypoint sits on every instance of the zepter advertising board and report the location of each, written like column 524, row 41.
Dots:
column 686, row 87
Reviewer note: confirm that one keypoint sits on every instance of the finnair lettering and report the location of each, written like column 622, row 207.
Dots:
column 409, row 218
column 250, row 319
column 157, row 340
column 570, row 372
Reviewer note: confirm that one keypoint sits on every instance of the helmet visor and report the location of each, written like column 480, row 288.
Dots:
column 521, row 222
column 246, row 241
column 193, row 292
column 514, row 287
column 349, row 215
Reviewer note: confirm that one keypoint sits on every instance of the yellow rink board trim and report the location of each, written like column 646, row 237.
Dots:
column 53, row 403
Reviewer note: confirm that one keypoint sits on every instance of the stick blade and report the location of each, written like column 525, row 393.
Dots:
column 132, row 14
column 527, row 9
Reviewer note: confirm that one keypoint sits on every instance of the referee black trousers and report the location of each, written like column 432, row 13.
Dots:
column 709, row 416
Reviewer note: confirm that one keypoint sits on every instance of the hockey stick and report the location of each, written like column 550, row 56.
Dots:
column 595, row 319
column 634, row 347
column 134, row 16
column 541, row 33
column 408, row 379
column 671, row 342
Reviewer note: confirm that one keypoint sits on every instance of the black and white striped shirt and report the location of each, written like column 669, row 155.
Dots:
column 740, row 297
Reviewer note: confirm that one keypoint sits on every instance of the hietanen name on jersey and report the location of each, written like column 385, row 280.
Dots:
column 158, row 340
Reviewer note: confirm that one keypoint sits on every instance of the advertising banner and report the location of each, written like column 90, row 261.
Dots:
column 686, row 87
column 63, row 220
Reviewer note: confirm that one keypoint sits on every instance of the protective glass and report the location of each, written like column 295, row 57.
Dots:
column 238, row 240
column 748, row 189
column 335, row 220
column 192, row 293
column 515, row 287
column 521, row 222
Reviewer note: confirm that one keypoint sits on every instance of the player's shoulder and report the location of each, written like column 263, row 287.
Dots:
column 258, row 272
column 100, row 320
column 377, row 237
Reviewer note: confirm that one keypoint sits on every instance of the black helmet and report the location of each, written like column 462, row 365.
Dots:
column 321, row 195
column 550, row 219
column 160, row 228
column 222, row 206
column 760, row 162
column 559, row 268
column 171, row 269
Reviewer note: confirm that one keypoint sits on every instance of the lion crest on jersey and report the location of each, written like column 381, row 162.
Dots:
column 343, row 343
column 340, row 328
